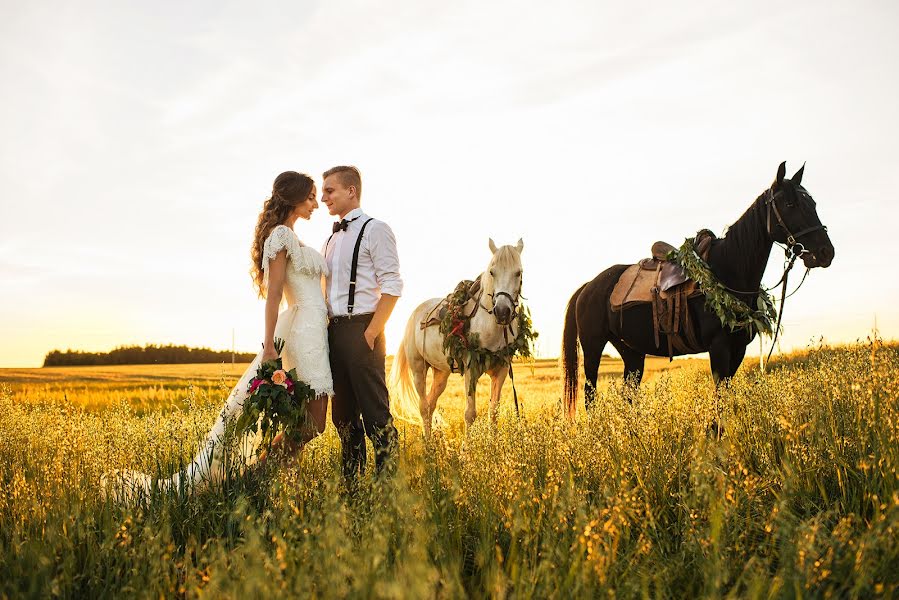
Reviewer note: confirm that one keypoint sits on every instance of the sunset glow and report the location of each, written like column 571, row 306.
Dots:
column 140, row 141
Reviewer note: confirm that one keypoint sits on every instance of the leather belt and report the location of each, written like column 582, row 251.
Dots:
column 355, row 318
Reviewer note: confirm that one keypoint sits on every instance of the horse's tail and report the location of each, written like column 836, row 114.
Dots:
column 405, row 404
column 570, row 353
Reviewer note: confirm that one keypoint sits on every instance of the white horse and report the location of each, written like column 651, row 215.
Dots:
column 492, row 310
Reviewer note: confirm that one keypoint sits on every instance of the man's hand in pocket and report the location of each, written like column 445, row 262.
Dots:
column 370, row 337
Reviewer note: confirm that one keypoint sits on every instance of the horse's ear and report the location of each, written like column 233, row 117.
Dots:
column 492, row 246
column 781, row 173
column 520, row 245
column 797, row 178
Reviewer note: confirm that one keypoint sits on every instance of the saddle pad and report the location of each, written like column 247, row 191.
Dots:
column 634, row 286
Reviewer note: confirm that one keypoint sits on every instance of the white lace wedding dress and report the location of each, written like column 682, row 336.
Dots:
column 304, row 329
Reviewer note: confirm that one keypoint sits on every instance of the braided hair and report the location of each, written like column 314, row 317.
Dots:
column 289, row 190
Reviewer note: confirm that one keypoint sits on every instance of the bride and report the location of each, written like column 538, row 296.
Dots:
column 283, row 269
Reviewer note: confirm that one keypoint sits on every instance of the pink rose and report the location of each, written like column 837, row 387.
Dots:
column 279, row 377
column 255, row 384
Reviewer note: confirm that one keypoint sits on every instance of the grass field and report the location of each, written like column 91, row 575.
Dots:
column 160, row 387
column 638, row 498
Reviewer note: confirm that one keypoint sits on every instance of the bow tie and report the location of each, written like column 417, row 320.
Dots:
column 341, row 225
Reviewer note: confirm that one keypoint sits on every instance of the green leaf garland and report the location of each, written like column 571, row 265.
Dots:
column 463, row 348
column 733, row 312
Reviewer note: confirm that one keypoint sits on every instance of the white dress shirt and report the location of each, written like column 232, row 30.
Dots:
column 378, row 271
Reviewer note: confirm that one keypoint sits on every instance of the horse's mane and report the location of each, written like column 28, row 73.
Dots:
column 745, row 243
column 748, row 232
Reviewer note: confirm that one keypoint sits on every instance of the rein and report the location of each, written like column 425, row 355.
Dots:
column 783, row 297
column 507, row 329
column 462, row 346
column 783, row 277
column 792, row 250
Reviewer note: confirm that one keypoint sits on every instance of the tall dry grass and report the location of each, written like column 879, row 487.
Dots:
column 640, row 497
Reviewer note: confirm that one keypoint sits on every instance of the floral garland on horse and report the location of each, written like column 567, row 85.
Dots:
column 463, row 348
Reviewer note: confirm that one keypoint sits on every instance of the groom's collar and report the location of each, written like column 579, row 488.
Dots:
column 355, row 213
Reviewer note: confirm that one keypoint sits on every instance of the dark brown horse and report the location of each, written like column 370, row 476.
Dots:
column 785, row 213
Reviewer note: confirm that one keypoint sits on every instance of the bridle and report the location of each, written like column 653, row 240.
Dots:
column 794, row 246
column 514, row 300
column 793, row 250
column 507, row 328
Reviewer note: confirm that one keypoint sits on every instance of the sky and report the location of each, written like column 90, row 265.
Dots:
column 139, row 141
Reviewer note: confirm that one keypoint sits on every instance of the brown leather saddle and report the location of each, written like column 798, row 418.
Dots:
column 664, row 285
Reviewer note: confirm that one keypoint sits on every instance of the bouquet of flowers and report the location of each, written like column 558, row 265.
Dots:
column 277, row 401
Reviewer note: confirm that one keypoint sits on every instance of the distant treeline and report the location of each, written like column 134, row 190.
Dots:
column 146, row 355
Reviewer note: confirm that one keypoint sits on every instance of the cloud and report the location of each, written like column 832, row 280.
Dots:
column 140, row 139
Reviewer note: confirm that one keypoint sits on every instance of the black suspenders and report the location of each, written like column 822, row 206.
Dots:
column 354, row 266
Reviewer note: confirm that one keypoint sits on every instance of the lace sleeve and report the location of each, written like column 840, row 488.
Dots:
column 281, row 238
column 299, row 257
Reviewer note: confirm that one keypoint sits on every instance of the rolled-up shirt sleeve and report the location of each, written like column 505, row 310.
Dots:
column 386, row 260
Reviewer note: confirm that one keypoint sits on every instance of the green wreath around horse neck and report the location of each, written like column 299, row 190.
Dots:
column 463, row 348
column 733, row 312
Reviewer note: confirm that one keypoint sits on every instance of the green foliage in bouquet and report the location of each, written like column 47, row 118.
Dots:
column 733, row 312
column 277, row 401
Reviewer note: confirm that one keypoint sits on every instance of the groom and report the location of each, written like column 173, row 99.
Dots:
column 363, row 285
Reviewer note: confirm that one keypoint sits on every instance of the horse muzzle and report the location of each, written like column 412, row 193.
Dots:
column 502, row 314
column 822, row 257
